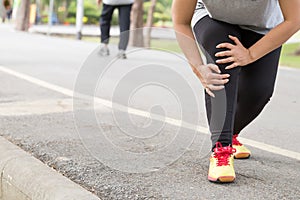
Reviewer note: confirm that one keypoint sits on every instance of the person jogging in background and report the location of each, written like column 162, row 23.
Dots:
column 241, row 40
column 124, row 7
column 8, row 7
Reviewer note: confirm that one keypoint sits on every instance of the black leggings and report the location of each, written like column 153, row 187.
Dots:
column 249, row 88
column 124, row 21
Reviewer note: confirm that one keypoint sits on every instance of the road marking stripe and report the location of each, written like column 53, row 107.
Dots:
column 175, row 122
column 271, row 148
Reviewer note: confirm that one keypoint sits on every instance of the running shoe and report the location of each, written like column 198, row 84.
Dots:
column 122, row 54
column 104, row 51
column 221, row 167
column 242, row 152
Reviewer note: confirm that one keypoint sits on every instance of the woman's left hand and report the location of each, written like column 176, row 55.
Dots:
column 236, row 54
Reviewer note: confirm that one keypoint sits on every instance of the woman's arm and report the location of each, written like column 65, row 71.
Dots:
column 209, row 75
column 272, row 40
column 280, row 34
column 182, row 13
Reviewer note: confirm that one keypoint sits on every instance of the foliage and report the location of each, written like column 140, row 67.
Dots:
column 288, row 57
column 91, row 12
column 67, row 9
column 70, row 20
column 162, row 11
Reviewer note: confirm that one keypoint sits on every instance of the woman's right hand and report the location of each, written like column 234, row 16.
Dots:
column 211, row 78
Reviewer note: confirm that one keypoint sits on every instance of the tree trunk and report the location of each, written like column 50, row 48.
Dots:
column 23, row 16
column 136, row 33
column 297, row 52
column 149, row 23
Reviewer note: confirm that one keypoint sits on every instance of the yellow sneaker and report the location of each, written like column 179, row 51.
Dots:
column 242, row 152
column 221, row 167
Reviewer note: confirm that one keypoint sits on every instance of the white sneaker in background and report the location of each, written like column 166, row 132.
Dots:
column 104, row 51
column 122, row 54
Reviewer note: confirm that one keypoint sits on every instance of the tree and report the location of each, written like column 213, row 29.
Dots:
column 23, row 16
column 136, row 35
column 149, row 23
column 162, row 12
column 297, row 52
column 61, row 14
column 156, row 11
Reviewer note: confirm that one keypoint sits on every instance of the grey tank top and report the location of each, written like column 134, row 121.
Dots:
column 256, row 15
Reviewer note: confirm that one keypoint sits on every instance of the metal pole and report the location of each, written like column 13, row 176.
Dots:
column 79, row 17
column 50, row 14
column 16, row 7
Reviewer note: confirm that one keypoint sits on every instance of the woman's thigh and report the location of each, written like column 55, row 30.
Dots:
column 256, row 83
column 209, row 33
column 257, row 79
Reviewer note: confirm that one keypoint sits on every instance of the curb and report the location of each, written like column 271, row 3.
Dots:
column 24, row 177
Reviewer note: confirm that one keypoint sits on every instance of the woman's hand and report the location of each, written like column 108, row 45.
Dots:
column 236, row 54
column 211, row 77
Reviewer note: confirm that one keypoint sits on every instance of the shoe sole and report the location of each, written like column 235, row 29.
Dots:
column 242, row 156
column 222, row 179
column 122, row 57
column 103, row 55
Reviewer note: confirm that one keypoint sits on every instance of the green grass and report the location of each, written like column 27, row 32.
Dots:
column 162, row 44
column 288, row 57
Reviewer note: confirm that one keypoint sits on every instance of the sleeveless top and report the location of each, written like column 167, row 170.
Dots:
column 257, row 15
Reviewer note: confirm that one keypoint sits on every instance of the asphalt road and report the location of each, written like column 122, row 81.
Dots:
column 126, row 155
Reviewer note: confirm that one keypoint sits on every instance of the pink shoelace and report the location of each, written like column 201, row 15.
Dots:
column 222, row 154
column 235, row 141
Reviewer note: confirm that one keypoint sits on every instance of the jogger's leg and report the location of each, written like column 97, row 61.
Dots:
column 124, row 20
column 221, row 109
column 105, row 20
column 256, row 84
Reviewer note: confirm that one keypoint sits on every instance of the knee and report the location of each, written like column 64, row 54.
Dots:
column 104, row 21
column 261, row 96
column 267, row 92
column 214, row 35
column 267, row 97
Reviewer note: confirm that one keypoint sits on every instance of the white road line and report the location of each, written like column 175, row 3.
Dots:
column 175, row 122
column 272, row 149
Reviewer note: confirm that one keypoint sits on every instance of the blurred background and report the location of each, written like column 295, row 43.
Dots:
column 79, row 19
column 28, row 14
column 43, row 64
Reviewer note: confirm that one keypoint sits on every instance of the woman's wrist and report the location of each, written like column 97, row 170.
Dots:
column 197, row 69
column 251, row 56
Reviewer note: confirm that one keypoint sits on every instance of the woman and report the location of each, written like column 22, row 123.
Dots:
column 8, row 7
column 124, row 8
column 241, row 40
